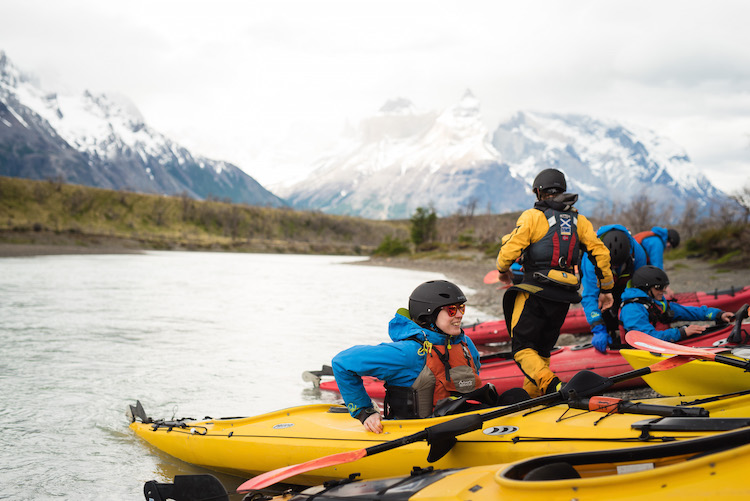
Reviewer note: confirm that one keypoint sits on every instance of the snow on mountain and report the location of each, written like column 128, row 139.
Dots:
column 605, row 161
column 102, row 140
column 403, row 158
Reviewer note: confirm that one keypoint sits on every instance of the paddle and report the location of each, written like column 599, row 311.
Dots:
column 492, row 277
column 643, row 341
column 442, row 436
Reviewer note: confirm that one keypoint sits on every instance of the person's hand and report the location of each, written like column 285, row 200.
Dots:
column 727, row 317
column 692, row 330
column 606, row 300
column 506, row 277
column 601, row 338
column 373, row 424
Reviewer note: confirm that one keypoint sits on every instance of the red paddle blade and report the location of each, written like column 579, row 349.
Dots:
column 671, row 363
column 643, row 341
column 271, row 477
column 492, row 277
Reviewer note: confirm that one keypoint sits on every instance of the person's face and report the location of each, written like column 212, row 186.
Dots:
column 450, row 324
column 657, row 292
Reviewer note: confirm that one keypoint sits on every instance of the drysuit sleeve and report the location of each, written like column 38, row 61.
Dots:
column 634, row 316
column 598, row 255
column 390, row 362
column 514, row 243
column 682, row 312
column 590, row 292
column 654, row 249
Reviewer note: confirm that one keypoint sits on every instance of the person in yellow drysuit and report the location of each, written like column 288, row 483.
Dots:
column 550, row 237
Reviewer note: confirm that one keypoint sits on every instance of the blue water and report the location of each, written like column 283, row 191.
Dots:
column 187, row 334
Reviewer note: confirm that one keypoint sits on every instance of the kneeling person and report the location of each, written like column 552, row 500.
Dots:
column 644, row 308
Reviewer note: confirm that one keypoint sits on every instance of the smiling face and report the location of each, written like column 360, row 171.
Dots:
column 657, row 292
column 451, row 325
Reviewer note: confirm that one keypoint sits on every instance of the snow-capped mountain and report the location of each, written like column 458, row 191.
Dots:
column 102, row 140
column 402, row 158
column 604, row 161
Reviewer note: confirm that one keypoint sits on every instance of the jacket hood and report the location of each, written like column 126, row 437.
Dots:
column 604, row 229
column 401, row 327
column 562, row 202
column 632, row 292
column 662, row 233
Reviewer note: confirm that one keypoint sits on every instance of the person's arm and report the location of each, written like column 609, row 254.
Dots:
column 654, row 249
column 382, row 361
column 599, row 260
column 514, row 243
column 590, row 293
column 634, row 316
column 682, row 312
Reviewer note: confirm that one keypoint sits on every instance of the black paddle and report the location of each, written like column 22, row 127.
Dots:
column 442, row 436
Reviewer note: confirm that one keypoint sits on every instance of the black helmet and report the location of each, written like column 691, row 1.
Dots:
column 430, row 296
column 618, row 243
column 551, row 181
column 649, row 276
column 673, row 237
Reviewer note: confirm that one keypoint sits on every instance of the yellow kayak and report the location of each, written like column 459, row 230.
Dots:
column 253, row 445
column 704, row 468
column 698, row 377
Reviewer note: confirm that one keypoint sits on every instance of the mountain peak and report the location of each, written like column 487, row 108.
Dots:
column 397, row 106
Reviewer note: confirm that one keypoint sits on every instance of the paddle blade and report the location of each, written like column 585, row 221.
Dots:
column 271, row 477
column 671, row 363
column 492, row 277
column 643, row 341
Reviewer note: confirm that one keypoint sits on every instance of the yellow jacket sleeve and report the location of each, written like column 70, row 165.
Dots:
column 530, row 227
column 591, row 243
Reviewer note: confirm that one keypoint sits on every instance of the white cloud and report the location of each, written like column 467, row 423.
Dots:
column 232, row 78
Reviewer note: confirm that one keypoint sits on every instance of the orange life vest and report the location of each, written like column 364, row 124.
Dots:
column 440, row 364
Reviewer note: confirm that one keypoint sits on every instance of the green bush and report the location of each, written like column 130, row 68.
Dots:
column 391, row 246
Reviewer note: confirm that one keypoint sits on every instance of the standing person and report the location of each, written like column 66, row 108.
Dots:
column 550, row 237
column 654, row 242
column 626, row 256
column 644, row 307
column 429, row 359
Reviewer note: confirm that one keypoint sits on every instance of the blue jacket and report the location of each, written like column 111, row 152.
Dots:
column 590, row 294
column 655, row 245
column 634, row 316
column 397, row 363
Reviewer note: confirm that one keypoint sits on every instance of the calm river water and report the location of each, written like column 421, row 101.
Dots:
column 188, row 334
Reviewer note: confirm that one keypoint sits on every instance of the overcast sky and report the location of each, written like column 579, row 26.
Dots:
column 235, row 80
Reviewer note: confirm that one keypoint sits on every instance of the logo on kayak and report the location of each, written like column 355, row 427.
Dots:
column 500, row 430
column 281, row 426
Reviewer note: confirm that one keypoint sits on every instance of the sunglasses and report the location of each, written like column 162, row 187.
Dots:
column 454, row 308
column 659, row 287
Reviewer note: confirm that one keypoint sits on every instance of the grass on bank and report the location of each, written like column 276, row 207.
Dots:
column 39, row 212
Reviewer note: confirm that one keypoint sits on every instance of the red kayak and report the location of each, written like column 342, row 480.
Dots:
column 495, row 331
column 501, row 370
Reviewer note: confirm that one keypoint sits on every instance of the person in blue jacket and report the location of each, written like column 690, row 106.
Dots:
column 626, row 255
column 655, row 241
column 644, row 306
column 429, row 359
